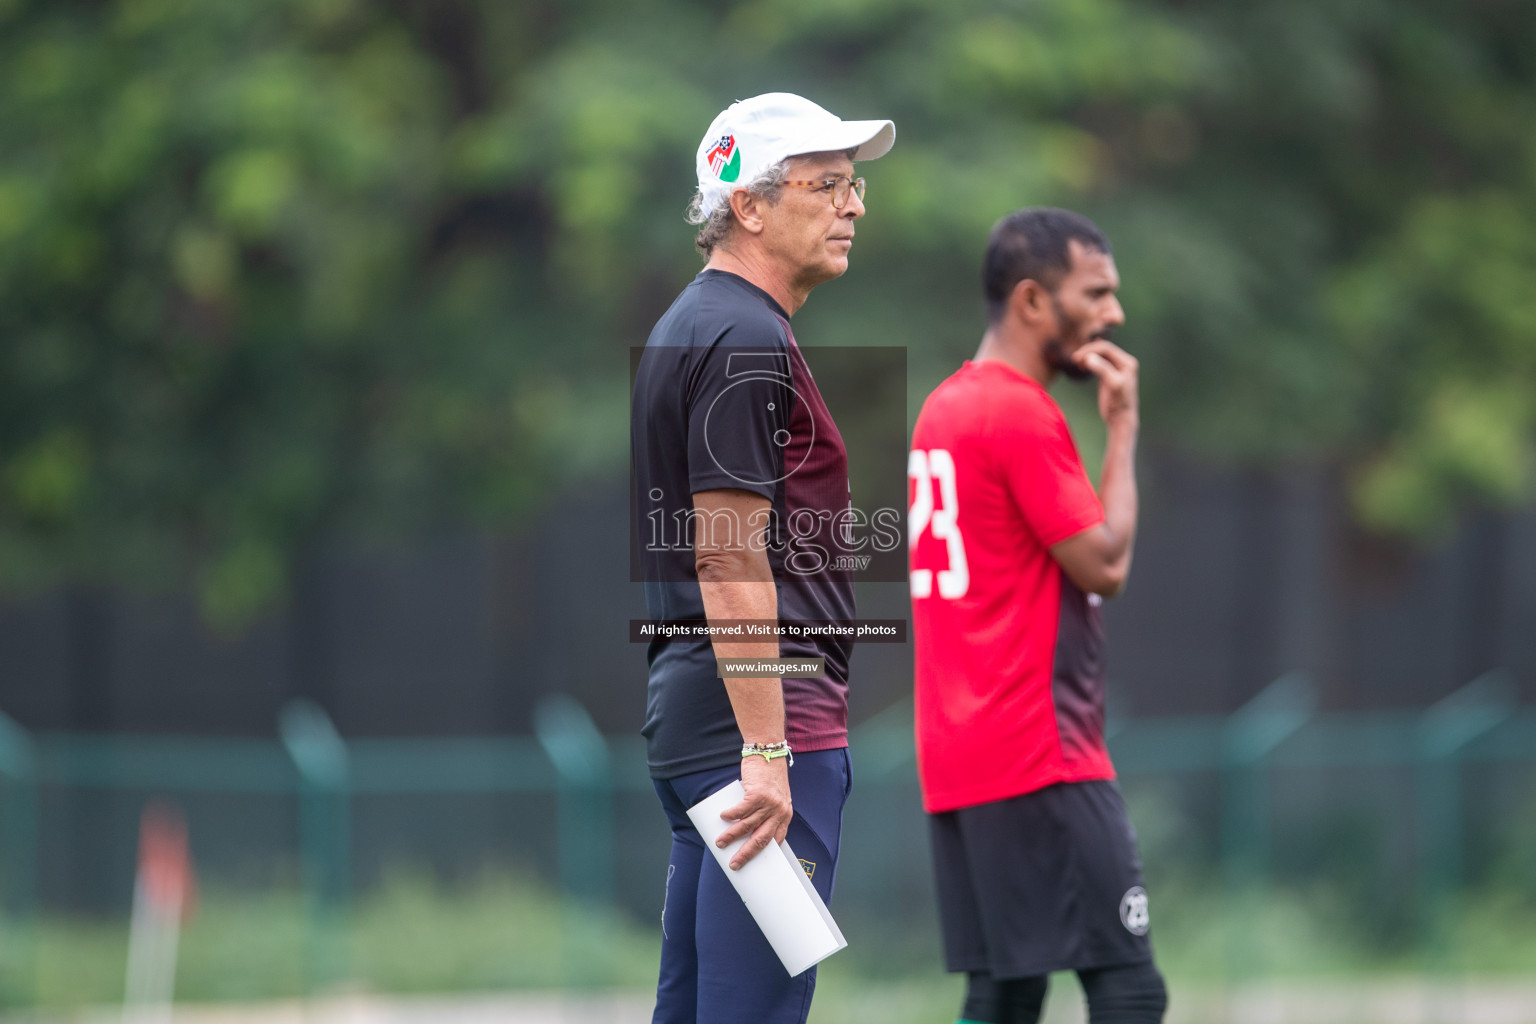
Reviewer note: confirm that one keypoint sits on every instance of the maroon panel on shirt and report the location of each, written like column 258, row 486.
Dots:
column 815, row 492
column 815, row 445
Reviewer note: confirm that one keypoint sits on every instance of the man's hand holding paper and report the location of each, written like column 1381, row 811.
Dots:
column 775, row 888
column 764, row 814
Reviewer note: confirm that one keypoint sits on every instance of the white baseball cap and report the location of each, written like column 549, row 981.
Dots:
column 750, row 136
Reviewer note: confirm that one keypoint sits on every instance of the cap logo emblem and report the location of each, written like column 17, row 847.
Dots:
column 725, row 159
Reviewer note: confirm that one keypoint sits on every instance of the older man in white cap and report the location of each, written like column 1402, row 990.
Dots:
column 736, row 463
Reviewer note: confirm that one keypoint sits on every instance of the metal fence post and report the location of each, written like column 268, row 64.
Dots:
column 320, row 755
column 1248, row 736
column 1445, row 730
column 18, row 862
column 584, row 792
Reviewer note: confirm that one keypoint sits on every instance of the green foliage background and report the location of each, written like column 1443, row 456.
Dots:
column 272, row 268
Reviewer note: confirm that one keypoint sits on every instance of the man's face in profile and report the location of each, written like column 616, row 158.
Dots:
column 803, row 231
column 1085, row 308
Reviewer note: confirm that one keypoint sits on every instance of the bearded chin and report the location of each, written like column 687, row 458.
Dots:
column 1070, row 369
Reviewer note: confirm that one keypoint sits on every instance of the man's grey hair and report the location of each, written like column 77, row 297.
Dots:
column 717, row 224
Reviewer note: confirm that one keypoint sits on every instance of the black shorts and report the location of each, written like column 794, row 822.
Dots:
column 1047, row 881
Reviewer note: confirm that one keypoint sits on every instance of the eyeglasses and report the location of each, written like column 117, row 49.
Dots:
column 839, row 186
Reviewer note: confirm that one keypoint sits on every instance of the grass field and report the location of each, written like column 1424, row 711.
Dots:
column 501, row 933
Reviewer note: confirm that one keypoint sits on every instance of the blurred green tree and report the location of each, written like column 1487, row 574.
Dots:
column 272, row 269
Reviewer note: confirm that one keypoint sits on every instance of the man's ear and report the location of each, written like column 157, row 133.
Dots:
column 748, row 208
column 1029, row 301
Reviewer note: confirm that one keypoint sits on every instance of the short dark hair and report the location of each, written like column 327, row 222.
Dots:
column 1033, row 244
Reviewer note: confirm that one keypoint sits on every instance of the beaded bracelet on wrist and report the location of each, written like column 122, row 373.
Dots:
column 768, row 751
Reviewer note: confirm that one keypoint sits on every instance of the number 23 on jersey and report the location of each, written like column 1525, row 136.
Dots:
column 924, row 468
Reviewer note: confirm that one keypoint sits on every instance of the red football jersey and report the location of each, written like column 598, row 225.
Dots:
column 1010, row 654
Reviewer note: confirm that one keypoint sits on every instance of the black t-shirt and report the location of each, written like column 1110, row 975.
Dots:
column 723, row 399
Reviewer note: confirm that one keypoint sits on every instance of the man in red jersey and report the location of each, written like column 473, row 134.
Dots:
column 1012, row 552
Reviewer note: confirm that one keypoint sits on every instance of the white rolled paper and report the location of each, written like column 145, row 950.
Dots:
column 773, row 885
